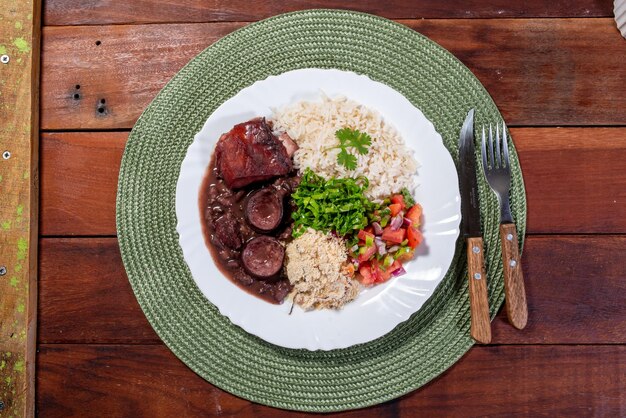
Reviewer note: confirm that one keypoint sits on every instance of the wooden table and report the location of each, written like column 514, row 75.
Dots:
column 557, row 71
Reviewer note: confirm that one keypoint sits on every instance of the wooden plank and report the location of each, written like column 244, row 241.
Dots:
column 540, row 72
column 88, row 12
column 79, row 180
column 574, row 179
column 20, row 30
column 123, row 65
column 488, row 381
column 85, row 295
column 575, row 287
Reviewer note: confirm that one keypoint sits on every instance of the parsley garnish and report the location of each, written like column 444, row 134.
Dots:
column 336, row 205
column 351, row 138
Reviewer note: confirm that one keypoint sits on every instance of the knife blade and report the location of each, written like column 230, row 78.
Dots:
column 480, row 327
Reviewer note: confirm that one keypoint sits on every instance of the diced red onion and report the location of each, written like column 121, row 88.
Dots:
column 407, row 222
column 378, row 230
column 380, row 247
column 396, row 222
column 397, row 273
column 355, row 248
column 394, row 249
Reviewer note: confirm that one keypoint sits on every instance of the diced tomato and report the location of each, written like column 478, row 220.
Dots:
column 377, row 271
column 414, row 236
column 414, row 214
column 366, row 277
column 395, row 266
column 384, row 276
column 398, row 199
column 387, row 274
column 381, row 274
column 373, row 273
column 395, row 237
column 395, row 208
column 369, row 229
column 369, row 252
column 363, row 234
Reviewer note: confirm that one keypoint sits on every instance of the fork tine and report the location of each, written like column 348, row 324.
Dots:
column 505, row 145
column 492, row 160
column 483, row 150
column 498, row 158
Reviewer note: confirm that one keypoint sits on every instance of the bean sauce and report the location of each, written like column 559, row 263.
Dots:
column 226, row 231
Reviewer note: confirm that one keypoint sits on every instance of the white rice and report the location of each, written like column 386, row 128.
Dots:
column 389, row 165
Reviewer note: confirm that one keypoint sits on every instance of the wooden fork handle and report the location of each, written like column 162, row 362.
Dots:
column 479, row 302
column 516, row 307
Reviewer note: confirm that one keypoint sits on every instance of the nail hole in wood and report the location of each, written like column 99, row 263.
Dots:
column 98, row 43
column 76, row 96
column 103, row 101
column 101, row 110
column 77, row 86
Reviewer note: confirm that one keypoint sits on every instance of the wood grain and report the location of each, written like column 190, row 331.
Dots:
column 138, row 381
column 480, row 327
column 123, row 65
column 85, row 295
column 575, row 288
column 88, row 12
column 539, row 72
column 574, row 180
column 20, row 32
column 542, row 72
column 79, row 182
column 515, row 302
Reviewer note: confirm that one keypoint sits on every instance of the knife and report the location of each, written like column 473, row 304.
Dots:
column 470, row 210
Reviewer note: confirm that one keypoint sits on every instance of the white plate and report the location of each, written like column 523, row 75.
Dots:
column 377, row 310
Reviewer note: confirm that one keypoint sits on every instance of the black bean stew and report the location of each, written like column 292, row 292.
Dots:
column 246, row 229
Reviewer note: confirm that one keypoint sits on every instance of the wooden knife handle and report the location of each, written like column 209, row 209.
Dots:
column 515, row 301
column 479, row 301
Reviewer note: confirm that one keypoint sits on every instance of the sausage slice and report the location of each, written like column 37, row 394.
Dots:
column 263, row 257
column 264, row 210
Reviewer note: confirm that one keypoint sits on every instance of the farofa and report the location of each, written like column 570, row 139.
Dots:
column 314, row 266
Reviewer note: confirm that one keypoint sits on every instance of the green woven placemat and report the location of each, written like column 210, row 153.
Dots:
column 225, row 355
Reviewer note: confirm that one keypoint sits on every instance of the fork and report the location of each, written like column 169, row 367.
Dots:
column 496, row 167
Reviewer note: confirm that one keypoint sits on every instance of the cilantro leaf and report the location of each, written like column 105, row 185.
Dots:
column 354, row 138
column 351, row 138
column 346, row 159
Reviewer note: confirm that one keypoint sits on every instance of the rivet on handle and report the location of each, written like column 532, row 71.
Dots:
column 477, row 276
column 509, row 237
column 476, row 250
column 6, row 155
column 5, row 59
column 513, row 263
